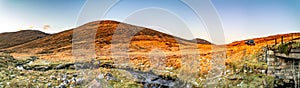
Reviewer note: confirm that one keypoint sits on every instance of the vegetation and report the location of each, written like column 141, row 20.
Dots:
column 285, row 48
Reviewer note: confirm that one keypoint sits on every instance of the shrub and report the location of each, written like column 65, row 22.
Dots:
column 284, row 48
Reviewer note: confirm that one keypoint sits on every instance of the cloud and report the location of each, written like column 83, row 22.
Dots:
column 46, row 27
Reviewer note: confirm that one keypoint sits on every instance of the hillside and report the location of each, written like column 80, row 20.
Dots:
column 201, row 41
column 109, row 35
column 239, row 49
column 148, row 50
column 10, row 39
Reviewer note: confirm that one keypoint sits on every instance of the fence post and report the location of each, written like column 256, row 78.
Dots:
column 281, row 39
column 275, row 41
column 292, row 37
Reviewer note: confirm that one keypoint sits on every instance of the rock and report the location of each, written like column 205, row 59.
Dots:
column 33, row 58
column 49, row 84
column 34, row 80
column 67, row 81
column 72, row 67
column 52, row 77
column 12, row 76
column 20, row 67
column 1, row 85
column 42, row 68
column 227, row 71
column 100, row 76
column 79, row 81
column 108, row 76
column 30, row 62
column 74, row 75
column 263, row 71
column 62, row 85
column 73, row 79
column 63, row 79
column 270, row 52
column 60, row 66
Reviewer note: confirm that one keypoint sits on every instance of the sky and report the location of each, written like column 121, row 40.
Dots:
column 241, row 19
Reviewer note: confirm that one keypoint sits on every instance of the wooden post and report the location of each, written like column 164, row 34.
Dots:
column 275, row 41
column 281, row 39
column 292, row 37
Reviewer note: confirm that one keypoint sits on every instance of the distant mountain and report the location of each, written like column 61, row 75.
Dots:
column 10, row 39
column 201, row 41
column 108, row 34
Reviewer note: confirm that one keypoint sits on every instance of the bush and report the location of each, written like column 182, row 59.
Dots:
column 284, row 48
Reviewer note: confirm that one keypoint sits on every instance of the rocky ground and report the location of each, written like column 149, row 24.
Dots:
column 35, row 72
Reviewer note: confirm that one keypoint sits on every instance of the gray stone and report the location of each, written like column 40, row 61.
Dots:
column 67, row 81
column 100, row 76
column 62, row 85
column 270, row 52
column 20, row 68
column 34, row 80
column 263, row 71
column 49, row 84
column 12, row 76
column 52, row 77
column 79, row 81
column 60, row 66
column 271, row 59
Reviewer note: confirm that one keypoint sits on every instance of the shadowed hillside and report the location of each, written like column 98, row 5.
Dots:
column 10, row 39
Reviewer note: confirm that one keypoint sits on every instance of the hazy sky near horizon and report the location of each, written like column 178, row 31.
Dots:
column 241, row 19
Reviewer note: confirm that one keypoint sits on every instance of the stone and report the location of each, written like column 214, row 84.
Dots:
column 12, row 76
column 34, row 80
column 7, row 83
column 108, row 76
column 100, row 76
column 74, row 75
column 20, row 68
column 62, row 85
column 67, row 81
column 49, row 84
column 41, row 68
column 73, row 80
column 289, row 77
column 271, row 59
column 33, row 58
column 263, row 71
column 79, row 81
column 270, row 52
column 60, row 66
column 63, row 79
column 52, row 77
column 227, row 71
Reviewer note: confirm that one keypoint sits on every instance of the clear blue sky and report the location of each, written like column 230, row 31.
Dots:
column 241, row 19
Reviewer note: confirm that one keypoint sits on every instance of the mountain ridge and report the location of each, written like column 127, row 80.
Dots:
column 9, row 39
column 107, row 32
